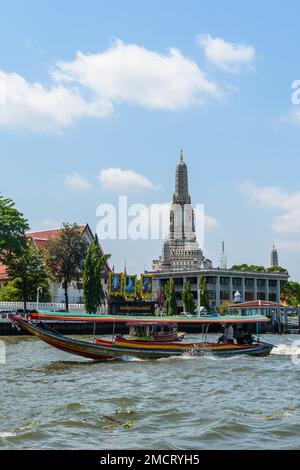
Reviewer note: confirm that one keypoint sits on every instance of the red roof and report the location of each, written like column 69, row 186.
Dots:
column 3, row 273
column 40, row 240
column 255, row 304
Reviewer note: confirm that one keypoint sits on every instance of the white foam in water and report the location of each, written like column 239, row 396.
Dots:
column 287, row 349
column 131, row 359
column 7, row 434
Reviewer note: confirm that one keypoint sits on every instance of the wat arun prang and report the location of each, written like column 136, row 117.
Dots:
column 181, row 250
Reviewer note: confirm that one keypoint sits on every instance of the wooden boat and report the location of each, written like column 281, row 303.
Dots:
column 151, row 348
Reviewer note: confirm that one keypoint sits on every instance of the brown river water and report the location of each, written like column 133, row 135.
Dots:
column 52, row 400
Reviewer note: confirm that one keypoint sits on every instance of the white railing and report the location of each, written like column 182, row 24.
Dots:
column 42, row 306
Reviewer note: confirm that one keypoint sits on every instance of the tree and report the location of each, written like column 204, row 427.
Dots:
column 277, row 269
column 204, row 297
column 28, row 272
column 13, row 227
column 170, row 299
column 290, row 293
column 65, row 257
column 94, row 262
column 188, row 298
column 10, row 293
column 255, row 268
column 224, row 307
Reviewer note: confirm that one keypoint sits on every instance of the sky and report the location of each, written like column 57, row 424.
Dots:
column 97, row 98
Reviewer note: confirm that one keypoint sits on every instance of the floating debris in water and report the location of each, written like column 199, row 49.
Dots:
column 114, row 422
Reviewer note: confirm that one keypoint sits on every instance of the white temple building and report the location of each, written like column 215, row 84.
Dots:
column 181, row 250
column 182, row 260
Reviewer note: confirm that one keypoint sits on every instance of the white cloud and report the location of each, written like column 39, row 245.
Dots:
column 292, row 246
column 32, row 106
column 77, row 181
column 210, row 223
column 120, row 180
column 228, row 56
column 128, row 73
column 273, row 197
column 292, row 117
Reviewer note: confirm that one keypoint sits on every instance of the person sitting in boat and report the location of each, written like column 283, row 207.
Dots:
column 228, row 336
column 244, row 336
column 240, row 335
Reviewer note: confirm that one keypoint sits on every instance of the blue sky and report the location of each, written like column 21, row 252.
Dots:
column 213, row 78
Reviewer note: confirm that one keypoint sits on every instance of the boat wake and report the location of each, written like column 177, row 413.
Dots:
column 287, row 349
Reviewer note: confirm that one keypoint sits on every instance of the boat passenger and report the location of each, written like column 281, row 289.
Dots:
column 228, row 336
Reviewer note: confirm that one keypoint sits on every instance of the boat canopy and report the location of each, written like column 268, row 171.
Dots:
column 44, row 315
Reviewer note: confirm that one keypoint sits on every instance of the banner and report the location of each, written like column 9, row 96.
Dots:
column 147, row 285
column 130, row 286
column 115, row 284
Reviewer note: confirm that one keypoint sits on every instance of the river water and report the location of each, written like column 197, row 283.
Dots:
column 51, row 400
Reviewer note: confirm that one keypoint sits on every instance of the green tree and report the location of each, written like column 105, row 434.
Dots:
column 170, row 299
column 94, row 263
column 204, row 297
column 13, row 227
column 28, row 272
column 10, row 293
column 65, row 257
column 290, row 293
column 277, row 269
column 188, row 298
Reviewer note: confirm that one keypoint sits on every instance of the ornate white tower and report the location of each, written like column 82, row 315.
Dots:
column 181, row 251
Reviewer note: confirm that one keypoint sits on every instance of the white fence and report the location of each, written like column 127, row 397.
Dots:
column 42, row 306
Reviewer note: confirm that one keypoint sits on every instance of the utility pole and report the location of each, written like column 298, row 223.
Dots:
column 38, row 292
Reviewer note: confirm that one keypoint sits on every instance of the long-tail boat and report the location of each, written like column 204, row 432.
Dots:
column 148, row 339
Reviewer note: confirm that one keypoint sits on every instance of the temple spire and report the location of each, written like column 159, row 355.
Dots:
column 181, row 195
column 274, row 257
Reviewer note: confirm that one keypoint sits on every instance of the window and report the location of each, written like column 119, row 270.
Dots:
column 237, row 281
column 261, row 296
column 212, row 295
column 224, row 281
column 249, row 296
column 249, row 282
column 273, row 297
column 211, row 280
column 261, row 283
column 272, row 283
column 224, row 295
column 192, row 280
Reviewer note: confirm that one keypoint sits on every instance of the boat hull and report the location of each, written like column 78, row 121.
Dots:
column 102, row 349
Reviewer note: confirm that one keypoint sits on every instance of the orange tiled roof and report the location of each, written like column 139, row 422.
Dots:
column 49, row 234
column 3, row 273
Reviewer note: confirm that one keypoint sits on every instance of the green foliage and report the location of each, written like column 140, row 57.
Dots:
column 255, row 268
column 290, row 293
column 12, row 229
column 28, row 272
column 94, row 263
column 170, row 299
column 248, row 267
column 204, row 297
column 10, row 293
column 188, row 298
column 65, row 257
column 277, row 269
column 224, row 307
